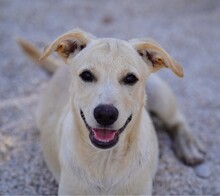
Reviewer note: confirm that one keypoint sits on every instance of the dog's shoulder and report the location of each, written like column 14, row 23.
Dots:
column 55, row 96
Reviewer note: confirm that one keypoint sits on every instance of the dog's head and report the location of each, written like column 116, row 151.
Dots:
column 108, row 81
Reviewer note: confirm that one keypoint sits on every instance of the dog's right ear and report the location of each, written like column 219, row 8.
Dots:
column 68, row 44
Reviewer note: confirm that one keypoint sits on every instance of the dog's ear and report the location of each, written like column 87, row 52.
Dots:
column 153, row 54
column 69, row 43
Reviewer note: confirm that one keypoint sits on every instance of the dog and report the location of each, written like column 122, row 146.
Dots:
column 96, row 131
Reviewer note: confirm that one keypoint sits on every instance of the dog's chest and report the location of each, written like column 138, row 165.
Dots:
column 106, row 167
column 110, row 173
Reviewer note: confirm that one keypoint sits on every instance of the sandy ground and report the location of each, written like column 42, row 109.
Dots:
column 188, row 30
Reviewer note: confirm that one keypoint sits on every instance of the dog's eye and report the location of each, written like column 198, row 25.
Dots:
column 130, row 79
column 87, row 76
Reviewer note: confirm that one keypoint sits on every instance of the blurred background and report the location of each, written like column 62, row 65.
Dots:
column 189, row 30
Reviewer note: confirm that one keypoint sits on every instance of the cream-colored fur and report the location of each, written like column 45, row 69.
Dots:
column 128, row 167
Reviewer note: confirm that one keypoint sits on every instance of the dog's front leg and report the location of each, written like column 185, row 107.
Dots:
column 65, row 187
column 162, row 102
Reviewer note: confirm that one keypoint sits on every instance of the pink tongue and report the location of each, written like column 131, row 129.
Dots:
column 104, row 135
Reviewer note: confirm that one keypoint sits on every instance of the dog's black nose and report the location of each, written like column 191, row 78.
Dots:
column 105, row 114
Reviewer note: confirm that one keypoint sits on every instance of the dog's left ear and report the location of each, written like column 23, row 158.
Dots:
column 153, row 54
column 70, row 43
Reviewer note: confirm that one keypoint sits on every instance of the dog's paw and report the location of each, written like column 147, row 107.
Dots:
column 189, row 149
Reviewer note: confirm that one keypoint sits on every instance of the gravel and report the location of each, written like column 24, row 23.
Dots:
column 188, row 30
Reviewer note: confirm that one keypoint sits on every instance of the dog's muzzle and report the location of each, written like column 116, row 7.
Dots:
column 102, row 137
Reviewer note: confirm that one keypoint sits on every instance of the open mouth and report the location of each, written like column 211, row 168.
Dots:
column 103, row 137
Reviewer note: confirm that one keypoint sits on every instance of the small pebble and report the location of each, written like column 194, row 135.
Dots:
column 203, row 170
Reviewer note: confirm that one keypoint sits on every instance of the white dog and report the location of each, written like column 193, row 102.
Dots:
column 96, row 133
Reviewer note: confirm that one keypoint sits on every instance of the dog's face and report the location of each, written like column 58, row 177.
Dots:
column 109, row 76
column 108, row 81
